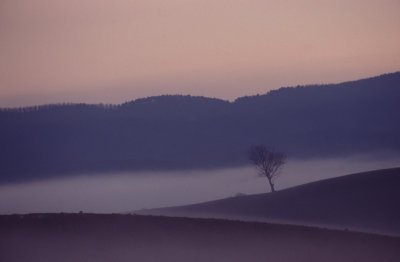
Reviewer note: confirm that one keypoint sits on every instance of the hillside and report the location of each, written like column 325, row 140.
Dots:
column 364, row 201
column 91, row 237
column 180, row 132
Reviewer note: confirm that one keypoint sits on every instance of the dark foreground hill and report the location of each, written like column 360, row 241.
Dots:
column 119, row 238
column 196, row 132
column 367, row 201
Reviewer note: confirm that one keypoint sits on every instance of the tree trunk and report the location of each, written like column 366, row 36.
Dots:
column 271, row 185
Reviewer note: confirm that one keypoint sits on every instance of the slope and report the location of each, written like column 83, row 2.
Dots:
column 367, row 201
column 112, row 237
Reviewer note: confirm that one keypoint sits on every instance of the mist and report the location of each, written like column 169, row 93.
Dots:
column 124, row 192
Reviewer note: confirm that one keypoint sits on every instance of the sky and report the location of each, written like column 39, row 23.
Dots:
column 94, row 51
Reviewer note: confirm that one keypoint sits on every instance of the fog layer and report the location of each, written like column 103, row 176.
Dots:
column 121, row 192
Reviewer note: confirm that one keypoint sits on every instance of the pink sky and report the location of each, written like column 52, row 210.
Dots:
column 114, row 51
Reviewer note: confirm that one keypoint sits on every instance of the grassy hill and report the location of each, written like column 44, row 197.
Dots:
column 91, row 237
column 367, row 201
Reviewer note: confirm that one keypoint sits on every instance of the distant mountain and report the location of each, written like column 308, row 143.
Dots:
column 192, row 132
column 365, row 201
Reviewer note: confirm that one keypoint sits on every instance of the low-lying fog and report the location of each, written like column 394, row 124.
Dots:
column 121, row 192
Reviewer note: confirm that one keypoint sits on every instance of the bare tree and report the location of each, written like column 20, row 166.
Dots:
column 267, row 162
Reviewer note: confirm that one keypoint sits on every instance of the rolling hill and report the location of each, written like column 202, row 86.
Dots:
column 113, row 237
column 367, row 201
column 181, row 132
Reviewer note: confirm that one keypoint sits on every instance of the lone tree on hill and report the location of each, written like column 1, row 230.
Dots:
column 267, row 162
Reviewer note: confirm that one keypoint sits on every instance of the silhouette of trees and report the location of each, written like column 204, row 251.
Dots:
column 267, row 162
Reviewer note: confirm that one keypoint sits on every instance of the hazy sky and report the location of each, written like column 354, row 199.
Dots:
column 114, row 51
